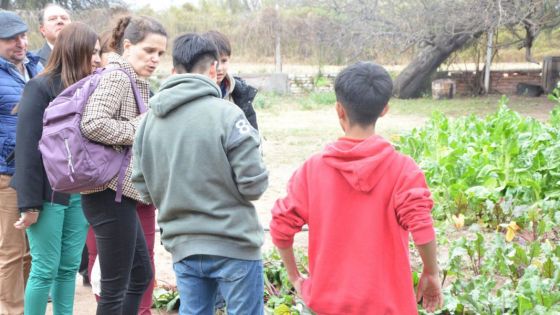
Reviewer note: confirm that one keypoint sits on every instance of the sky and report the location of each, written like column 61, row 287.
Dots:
column 156, row 4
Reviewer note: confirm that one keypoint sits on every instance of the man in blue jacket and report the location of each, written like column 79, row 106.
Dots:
column 17, row 66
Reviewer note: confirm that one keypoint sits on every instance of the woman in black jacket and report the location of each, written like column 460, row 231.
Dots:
column 55, row 223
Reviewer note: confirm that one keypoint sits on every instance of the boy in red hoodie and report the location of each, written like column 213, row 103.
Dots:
column 361, row 199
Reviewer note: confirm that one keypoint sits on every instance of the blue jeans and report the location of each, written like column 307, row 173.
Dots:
column 240, row 282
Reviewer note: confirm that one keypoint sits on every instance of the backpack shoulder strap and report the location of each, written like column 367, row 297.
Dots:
column 127, row 156
column 135, row 90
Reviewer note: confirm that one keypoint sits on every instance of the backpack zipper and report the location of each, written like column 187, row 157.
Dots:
column 70, row 165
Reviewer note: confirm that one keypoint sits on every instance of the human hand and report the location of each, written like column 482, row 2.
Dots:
column 289, row 261
column 429, row 292
column 26, row 219
column 297, row 285
column 297, row 281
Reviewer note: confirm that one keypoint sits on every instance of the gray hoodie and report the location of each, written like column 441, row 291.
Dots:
column 197, row 159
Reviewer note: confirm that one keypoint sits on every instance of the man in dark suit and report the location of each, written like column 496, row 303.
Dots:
column 51, row 20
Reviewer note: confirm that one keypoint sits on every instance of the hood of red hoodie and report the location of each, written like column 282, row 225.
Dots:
column 363, row 163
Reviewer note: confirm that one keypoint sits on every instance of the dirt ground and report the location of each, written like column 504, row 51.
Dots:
column 291, row 136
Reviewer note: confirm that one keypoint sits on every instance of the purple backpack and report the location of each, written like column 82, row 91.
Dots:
column 72, row 162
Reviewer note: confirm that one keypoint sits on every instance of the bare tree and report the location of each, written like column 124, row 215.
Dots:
column 252, row 5
column 70, row 4
column 6, row 4
column 436, row 29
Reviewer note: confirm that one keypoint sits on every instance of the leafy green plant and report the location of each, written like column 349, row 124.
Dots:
column 279, row 294
column 555, row 115
column 166, row 298
column 492, row 170
column 321, row 81
column 499, row 172
column 489, row 275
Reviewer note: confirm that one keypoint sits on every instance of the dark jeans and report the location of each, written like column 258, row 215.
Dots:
column 84, row 264
column 124, row 261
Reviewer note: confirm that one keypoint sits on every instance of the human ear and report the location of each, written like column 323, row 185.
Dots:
column 42, row 30
column 340, row 111
column 385, row 111
column 213, row 71
column 126, row 46
column 341, row 116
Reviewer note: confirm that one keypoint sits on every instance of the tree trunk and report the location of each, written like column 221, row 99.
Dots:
column 413, row 78
column 5, row 4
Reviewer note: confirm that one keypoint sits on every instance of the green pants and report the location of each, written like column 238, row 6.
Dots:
column 56, row 242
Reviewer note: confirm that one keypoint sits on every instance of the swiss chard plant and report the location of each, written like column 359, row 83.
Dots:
column 493, row 170
column 279, row 294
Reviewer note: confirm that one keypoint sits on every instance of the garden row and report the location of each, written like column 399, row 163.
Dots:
column 496, row 183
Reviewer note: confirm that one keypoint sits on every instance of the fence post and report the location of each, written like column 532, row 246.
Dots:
column 277, row 52
column 488, row 62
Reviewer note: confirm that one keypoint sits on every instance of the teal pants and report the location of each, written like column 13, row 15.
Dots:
column 56, row 242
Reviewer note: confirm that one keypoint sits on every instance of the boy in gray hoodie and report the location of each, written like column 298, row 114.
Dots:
column 197, row 158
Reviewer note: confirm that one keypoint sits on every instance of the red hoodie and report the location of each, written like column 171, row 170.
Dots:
column 360, row 199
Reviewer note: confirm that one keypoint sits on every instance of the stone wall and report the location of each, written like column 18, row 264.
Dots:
column 289, row 83
column 501, row 82
column 304, row 83
column 275, row 82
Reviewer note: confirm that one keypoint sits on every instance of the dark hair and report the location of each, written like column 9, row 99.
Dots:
column 42, row 12
column 135, row 30
column 193, row 53
column 221, row 41
column 363, row 89
column 105, row 42
column 71, row 56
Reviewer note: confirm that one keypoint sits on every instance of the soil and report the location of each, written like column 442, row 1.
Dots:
column 290, row 137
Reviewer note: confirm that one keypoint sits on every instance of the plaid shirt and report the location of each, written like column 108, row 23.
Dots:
column 111, row 115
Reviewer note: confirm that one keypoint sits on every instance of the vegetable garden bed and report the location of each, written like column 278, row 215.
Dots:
column 496, row 183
